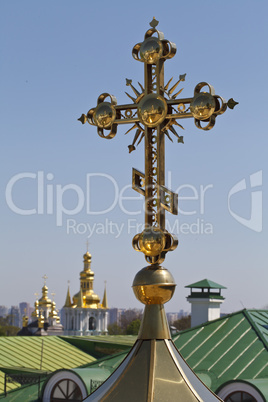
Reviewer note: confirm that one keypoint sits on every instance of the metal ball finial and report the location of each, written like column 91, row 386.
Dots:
column 153, row 285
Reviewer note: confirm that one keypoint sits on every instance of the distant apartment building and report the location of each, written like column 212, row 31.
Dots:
column 172, row 317
column 24, row 309
column 118, row 315
column 3, row 311
column 15, row 317
column 115, row 315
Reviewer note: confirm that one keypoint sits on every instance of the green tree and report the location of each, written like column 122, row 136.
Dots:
column 133, row 327
column 114, row 329
column 6, row 329
column 128, row 316
column 9, row 330
column 183, row 323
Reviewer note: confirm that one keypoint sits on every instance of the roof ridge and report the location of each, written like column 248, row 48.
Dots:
column 255, row 326
column 206, row 283
column 207, row 323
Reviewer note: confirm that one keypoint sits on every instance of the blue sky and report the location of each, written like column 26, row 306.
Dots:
column 56, row 59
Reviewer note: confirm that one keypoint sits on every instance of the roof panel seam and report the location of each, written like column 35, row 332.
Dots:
column 229, row 348
column 218, row 343
column 237, row 357
column 256, row 375
column 205, row 340
column 249, row 363
column 189, row 340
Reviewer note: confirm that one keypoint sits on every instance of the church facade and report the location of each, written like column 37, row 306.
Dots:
column 85, row 314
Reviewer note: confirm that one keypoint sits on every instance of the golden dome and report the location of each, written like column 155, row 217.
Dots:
column 53, row 312
column 87, row 274
column 92, row 298
column 35, row 313
column 85, row 297
column 44, row 300
column 41, row 320
column 87, row 257
column 153, row 285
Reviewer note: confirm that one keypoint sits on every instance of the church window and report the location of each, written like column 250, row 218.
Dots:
column 92, row 323
column 66, row 390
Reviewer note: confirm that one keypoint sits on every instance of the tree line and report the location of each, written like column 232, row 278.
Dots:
column 6, row 329
column 131, row 320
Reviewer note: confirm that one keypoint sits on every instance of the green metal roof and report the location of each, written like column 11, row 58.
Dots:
column 103, row 345
column 46, row 353
column 234, row 347
column 27, row 393
column 231, row 348
column 206, row 283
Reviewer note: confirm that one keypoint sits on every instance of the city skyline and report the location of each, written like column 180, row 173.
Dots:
column 62, row 185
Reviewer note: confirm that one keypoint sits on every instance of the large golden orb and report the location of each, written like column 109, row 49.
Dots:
column 152, row 241
column 104, row 115
column 152, row 110
column 153, row 285
column 151, row 50
column 203, row 106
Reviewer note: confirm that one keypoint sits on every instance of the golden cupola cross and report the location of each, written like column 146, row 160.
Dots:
column 153, row 115
column 154, row 370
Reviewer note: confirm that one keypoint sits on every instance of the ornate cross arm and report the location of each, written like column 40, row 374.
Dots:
column 153, row 113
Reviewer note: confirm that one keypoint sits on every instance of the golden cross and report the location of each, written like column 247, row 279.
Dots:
column 153, row 114
column 45, row 277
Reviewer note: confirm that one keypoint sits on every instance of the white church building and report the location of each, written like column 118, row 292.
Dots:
column 85, row 315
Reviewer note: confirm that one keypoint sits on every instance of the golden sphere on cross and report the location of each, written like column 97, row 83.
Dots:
column 104, row 115
column 203, row 106
column 151, row 50
column 152, row 241
column 152, row 110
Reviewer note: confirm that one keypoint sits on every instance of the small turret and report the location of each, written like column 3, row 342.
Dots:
column 205, row 299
